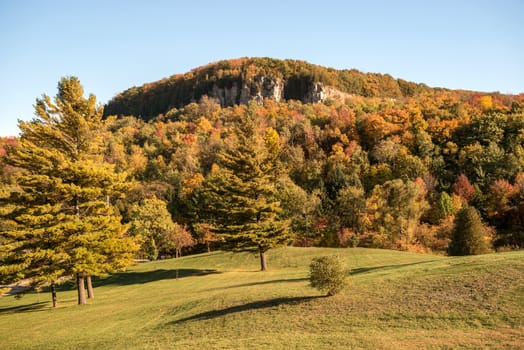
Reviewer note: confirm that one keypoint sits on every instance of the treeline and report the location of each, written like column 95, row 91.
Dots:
column 149, row 100
column 368, row 172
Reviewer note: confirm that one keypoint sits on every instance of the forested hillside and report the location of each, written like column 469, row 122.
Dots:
column 364, row 170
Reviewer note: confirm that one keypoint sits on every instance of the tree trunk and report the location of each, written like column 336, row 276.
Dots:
column 90, row 292
column 263, row 261
column 53, row 294
column 81, row 289
column 208, row 247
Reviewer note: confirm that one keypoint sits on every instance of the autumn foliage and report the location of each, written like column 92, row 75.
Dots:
column 388, row 165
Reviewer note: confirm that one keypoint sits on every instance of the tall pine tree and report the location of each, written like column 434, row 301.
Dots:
column 59, row 221
column 240, row 193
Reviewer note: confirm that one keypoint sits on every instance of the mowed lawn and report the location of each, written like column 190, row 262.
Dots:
column 395, row 300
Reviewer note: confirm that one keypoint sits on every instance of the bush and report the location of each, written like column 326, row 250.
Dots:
column 328, row 274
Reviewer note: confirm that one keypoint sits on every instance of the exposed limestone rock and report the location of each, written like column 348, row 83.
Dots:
column 268, row 88
column 315, row 93
column 228, row 96
column 262, row 87
column 258, row 89
column 318, row 92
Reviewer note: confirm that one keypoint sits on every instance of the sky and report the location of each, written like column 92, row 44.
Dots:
column 112, row 45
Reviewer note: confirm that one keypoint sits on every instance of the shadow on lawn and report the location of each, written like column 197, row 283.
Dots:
column 250, row 284
column 128, row 278
column 24, row 308
column 385, row 267
column 264, row 304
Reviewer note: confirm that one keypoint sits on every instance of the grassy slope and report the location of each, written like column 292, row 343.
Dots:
column 395, row 300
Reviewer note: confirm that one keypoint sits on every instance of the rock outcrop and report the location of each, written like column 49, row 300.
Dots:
column 258, row 89
column 262, row 87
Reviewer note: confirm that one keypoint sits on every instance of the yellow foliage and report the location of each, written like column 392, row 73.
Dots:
column 192, row 183
column 486, row 102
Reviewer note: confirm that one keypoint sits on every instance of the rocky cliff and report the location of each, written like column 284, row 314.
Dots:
column 242, row 92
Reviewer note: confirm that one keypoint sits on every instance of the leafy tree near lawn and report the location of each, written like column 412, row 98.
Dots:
column 240, row 194
column 153, row 225
column 396, row 208
column 59, row 220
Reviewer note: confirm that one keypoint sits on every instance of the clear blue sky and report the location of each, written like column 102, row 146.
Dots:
column 112, row 45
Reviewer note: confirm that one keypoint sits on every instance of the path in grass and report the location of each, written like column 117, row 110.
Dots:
column 220, row 300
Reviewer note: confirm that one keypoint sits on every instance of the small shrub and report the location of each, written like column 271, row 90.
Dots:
column 328, row 274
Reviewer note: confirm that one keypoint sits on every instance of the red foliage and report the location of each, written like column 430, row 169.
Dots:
column 500, row 193
column 189, row 138
column 463, row 188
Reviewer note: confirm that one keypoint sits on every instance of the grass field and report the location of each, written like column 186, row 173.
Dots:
column 395, row 300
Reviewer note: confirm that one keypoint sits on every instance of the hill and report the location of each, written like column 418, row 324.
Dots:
column 395, row 300
column 241, row 80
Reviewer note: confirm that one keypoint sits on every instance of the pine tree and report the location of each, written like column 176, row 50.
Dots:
column 59, row 220
column 240, row 193
column 468, row 235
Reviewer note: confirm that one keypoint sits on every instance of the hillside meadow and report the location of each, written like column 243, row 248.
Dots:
column 219, row 300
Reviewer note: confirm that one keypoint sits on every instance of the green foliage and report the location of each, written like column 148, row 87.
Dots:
column 240, row 195
column 469, row 234
column 352, row 203
column 59, row 220
column 328, row 274
column 152, row 223
column 442, row 208
column 397, row 207
column 298, row 206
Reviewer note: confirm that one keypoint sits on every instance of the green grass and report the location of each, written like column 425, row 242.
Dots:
column 395, row 300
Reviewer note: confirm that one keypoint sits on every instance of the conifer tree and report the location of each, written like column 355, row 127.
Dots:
column 468, row 234
column 59, row 221
column 240, row 193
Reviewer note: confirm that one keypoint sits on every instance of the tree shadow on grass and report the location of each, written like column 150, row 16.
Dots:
column 129, row 278
column 24, row 308
column 385, row 267
column 256, row 305
column 251, row 284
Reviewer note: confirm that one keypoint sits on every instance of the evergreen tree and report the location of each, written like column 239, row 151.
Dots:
column 468, row 235
column 59, row 220
column 240, row 194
